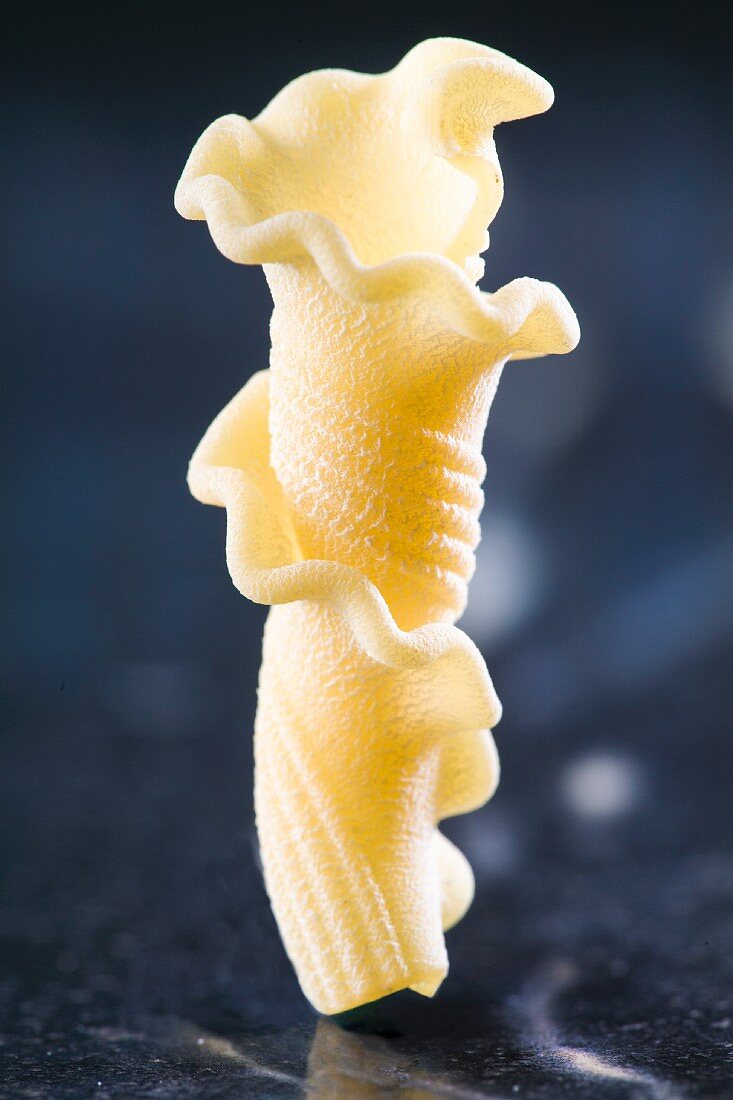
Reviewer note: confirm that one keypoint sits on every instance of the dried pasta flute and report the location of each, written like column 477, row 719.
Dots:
column 351, row 473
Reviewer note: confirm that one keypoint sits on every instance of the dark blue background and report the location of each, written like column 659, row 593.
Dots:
column 604, row 595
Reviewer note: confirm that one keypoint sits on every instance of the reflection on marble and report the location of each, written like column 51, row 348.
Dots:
column 252, row 1056
column 366, row 1057
column 538, row 1007
column 343, row 1065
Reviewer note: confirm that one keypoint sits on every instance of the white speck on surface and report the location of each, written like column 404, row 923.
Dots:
column 586, row 1062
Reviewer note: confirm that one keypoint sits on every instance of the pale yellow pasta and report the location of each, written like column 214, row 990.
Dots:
column 351, row 475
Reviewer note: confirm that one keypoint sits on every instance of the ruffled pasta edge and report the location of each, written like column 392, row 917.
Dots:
column 526, row 318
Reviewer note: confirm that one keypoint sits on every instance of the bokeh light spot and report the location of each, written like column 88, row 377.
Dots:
column 601, row 785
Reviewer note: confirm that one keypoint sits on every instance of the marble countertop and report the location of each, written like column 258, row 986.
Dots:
column 140, row 958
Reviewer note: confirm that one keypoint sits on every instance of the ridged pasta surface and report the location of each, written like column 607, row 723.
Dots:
column 351, row 473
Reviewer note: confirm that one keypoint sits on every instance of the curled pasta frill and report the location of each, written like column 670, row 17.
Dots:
column 385, row 183
column 351, row 474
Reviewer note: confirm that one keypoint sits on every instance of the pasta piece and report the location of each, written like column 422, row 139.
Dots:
column 351, row 473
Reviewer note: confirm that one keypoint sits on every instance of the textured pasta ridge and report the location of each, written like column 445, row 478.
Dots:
column 263, row 558
column 351, row 476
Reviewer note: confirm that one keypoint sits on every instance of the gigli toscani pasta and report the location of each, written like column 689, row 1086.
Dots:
column 351, row 474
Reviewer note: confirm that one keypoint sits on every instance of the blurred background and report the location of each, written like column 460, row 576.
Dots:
column 139, row 950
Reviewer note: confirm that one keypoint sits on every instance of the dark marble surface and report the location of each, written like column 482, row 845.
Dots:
column 140, row 958
column 578, row 987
